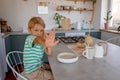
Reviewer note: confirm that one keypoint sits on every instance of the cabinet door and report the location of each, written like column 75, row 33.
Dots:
column 8, row 44
column 17, row 42
column 95, row 34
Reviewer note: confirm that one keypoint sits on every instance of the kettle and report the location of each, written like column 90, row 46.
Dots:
column 100, row 50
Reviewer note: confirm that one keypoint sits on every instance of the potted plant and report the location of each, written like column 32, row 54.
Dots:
column 107, row 19
column 57, row 18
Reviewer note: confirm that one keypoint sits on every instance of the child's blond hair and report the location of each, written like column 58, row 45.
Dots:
column 35, row 20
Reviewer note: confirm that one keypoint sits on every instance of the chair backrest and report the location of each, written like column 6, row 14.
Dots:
column 14, row 60
column 114, row 40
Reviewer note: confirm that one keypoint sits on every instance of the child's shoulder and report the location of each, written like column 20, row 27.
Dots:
column 31, row 37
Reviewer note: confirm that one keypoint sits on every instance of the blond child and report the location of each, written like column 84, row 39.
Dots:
column 36, row 44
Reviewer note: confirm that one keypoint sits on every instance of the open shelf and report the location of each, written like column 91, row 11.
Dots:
column 79, row 10
column 75, row 10
column 80, row 0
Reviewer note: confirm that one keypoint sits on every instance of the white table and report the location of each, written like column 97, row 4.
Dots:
column 107, row 68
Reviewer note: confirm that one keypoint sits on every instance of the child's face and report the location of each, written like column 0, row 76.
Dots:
column 37, row 30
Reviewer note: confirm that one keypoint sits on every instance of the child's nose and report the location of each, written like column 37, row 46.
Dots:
column 38, row 33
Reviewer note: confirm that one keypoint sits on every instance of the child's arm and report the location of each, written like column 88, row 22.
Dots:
column 50, row 42
column 48, row 51
column 38, row 40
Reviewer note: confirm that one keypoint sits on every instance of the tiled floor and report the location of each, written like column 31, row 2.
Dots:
column 10, row 76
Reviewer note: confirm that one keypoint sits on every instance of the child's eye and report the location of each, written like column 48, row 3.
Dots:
column 41, row 30
column 36, row 30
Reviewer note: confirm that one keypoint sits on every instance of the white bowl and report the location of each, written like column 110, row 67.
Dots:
column 67, row 57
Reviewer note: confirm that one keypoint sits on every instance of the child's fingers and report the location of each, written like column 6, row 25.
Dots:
column 52, row 35
column 56, row 42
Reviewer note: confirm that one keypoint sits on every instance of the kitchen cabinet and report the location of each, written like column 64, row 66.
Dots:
column 95, row 34
column 14, row 43
column 8, row 44
column 17, row 42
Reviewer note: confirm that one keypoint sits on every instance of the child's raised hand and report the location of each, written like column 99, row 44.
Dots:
column 50, row 40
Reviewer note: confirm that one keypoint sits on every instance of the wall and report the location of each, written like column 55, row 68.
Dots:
column 97, row 17
column 104, row 9
column 18, row 12
column 8, row 11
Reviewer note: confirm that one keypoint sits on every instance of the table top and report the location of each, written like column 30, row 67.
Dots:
column 106, row 68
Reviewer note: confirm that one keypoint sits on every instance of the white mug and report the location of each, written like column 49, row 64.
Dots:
column 89, row 52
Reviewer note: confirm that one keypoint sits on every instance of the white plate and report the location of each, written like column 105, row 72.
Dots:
column 67, row 57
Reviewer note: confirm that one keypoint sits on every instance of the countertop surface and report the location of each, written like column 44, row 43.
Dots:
column 111, row 31
column 4, row 35
column 106, row 68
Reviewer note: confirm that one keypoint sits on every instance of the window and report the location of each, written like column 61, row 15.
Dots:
column 115, row 13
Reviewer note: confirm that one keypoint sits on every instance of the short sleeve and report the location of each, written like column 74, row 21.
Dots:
column 29, row 40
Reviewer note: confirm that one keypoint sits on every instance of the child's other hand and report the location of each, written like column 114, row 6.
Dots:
column 50, row 40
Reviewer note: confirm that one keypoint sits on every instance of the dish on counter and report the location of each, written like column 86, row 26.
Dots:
column 67, row 57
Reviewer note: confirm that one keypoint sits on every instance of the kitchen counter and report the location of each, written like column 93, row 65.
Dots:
column 107, row 68
column 111, row 31
column 4, row 35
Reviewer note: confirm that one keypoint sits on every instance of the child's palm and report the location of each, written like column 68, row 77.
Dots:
column 50, row 40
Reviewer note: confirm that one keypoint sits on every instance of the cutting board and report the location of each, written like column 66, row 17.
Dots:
column 66, row 24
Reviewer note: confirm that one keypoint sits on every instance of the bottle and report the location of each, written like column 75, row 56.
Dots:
column 82, row 24
column 78, row 26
